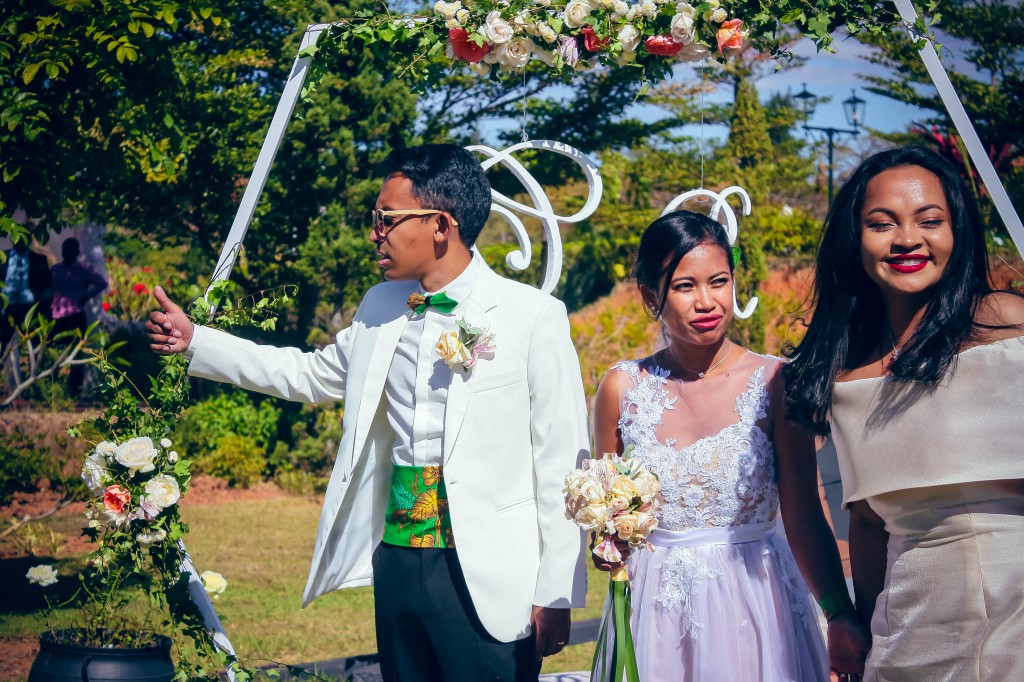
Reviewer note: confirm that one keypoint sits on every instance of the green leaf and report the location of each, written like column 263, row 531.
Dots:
column 30, row 72
column 206, row 12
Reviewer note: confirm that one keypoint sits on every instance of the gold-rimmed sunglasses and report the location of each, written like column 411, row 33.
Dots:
column 384, row 221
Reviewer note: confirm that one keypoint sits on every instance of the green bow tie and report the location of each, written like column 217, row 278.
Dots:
column 440, row 301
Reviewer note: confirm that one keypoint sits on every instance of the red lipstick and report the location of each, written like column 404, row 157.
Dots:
column 706, row 322
column 907, row 263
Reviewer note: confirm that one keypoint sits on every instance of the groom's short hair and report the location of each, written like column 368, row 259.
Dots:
column 448, row 178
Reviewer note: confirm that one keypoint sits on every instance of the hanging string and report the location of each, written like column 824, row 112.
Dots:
column 703, row 77
column 526, row 138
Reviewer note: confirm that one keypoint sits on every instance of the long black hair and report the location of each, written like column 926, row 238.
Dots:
column 849, row 323
column 665, row 242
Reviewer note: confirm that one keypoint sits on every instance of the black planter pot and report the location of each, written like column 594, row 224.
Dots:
column 59, row 662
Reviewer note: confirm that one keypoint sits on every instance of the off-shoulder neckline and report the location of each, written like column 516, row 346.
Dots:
column 1000, row 342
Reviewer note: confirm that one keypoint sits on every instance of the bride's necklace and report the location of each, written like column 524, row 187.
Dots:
column 700, row 375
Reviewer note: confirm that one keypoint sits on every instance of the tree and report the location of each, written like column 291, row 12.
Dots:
column 748, row 134
column 987, row 39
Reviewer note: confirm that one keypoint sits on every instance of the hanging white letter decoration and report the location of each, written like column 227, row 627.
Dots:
column 731, row 227
column 541, row 209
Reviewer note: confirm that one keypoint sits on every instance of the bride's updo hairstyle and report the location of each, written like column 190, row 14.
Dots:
column 849, row 322
column 665, row 242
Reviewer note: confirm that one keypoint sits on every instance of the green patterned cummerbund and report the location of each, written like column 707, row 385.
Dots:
column 417, row 514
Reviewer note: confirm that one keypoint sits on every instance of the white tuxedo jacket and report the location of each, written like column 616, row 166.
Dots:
column 514, row 426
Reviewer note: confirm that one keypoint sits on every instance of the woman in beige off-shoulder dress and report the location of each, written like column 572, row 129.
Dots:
column 917, row 366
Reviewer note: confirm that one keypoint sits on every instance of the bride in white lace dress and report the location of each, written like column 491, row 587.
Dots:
column 720, row 597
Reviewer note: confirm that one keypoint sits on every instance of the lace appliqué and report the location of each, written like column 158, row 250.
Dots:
column 680, row 574
column 727, row 479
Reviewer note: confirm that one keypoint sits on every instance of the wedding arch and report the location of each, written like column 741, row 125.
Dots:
column 648, row 37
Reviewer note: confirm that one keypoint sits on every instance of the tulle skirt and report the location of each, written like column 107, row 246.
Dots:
column 724, row 610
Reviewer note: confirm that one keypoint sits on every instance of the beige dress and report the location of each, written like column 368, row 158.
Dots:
column 934, row 465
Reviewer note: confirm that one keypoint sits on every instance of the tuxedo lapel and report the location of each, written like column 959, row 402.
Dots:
column 477, row 311
column 384, row 342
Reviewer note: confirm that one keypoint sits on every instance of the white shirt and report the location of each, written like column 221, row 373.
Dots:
column 417, row 385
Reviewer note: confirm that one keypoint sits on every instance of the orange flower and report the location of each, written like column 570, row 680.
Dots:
column 730, row 37
column 116, row 498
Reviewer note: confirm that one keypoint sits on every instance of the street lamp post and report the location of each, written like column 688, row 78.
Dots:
column 853, row 107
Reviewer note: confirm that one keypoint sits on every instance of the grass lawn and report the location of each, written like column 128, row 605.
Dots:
column 263, row 549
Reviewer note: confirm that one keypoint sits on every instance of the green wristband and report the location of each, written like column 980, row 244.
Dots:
column 835, row 603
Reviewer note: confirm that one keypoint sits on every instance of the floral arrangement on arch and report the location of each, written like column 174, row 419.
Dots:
column 137, row 479
column 495, row 36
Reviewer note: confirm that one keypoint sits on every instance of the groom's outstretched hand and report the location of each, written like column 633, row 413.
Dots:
column 169, row 329
column 550, row 629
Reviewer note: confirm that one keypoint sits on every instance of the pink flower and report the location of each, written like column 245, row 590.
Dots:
column 730, row 37
column 464, row 48
column 116, row 498
column 568, row 50
column 484, row 347
column 607, row 550
column 591, row 41
column 663, row 46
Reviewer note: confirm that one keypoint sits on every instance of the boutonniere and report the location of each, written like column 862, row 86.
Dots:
column 465, row 345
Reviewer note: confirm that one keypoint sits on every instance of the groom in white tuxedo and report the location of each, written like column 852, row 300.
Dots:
column 464, row 411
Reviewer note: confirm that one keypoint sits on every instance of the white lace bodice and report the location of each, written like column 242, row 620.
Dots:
column 725, row 479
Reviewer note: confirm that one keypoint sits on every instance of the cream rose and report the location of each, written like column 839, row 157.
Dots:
column 213, row 582
column 136, row 455
column 496, row 30
column 576, row 13
column 163, row 491
column 592, row 517
column 451, row 350
column 626, row 526
column 42, row 575
column 165, row 443
column 694, row 52
column 629, row 37
column 515, row 53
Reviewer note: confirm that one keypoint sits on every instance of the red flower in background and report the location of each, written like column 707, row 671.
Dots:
column 464, row 48
column 106, row 307
column 591, row 41
column 140, row 289
column 663, row 46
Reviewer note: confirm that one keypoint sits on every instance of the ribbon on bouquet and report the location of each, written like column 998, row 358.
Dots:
column 615, row 655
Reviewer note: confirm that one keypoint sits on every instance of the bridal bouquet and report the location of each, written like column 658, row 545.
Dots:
column 617, row 498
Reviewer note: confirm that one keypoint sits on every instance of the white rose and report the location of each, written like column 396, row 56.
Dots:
column 496, row 30
column 648, row 9
column 172, row 457
column 629, row 37
column 94, row 473
column 165, row 443
column 515, row 53
column 106, row 449
column 547, row 33
column 462, row 16
column 136, row 455
column 42, row 575
column 576, row 13
column 163, row 490
column 682, row 28
column 620, row 7
column 546, row 56
column 213, row 582
column 479, row 68
column 694, row 52
column 687, row 9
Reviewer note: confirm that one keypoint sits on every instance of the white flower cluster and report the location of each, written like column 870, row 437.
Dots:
column 108, row 472
column 616, row 497
column 453, row 13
